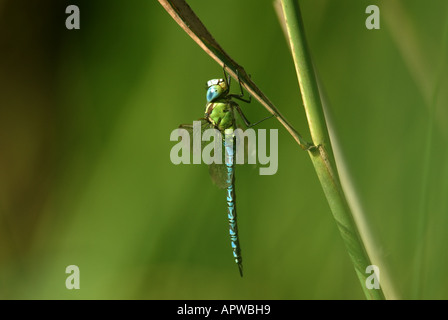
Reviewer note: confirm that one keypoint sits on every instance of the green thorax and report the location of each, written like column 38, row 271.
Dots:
column 220, row 113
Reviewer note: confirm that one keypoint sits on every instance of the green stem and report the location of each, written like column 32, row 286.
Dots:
column 322, row 157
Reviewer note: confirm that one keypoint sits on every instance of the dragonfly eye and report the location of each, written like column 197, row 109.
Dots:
column 216, row 89
column 214, row 92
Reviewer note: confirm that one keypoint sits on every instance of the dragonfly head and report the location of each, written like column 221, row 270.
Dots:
column 216, row 88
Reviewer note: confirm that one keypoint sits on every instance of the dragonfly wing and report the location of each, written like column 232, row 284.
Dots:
column 196, row 135
column 218, row 173
column 246, row 148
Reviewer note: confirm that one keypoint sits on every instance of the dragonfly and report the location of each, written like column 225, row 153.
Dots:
column 220, row 113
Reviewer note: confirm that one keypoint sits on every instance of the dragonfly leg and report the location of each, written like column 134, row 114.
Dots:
column 227, row 76
column 241, row 95
column 246, row 121
column 228, row 79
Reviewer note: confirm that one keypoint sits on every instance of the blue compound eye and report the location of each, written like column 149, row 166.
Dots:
column 214, row 92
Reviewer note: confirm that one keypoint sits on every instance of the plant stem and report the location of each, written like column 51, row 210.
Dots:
column 181, row 12
column 322, row 156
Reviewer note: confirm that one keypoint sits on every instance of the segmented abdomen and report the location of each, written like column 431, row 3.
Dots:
column 229, row 147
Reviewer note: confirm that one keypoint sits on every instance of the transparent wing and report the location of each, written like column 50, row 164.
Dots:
column 196, row 135
column 246, row 146
column 218, row 172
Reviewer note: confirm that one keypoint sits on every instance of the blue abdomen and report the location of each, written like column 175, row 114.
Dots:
column 229, row 147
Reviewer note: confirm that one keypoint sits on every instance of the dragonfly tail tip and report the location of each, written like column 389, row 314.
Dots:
column 240, row 267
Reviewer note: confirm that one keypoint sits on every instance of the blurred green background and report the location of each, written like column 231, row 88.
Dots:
column 86, row 177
